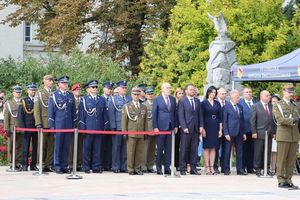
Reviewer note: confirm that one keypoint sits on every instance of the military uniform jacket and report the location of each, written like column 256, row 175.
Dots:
column 149, row 104
column 92, row 113
column 61, row 110
column 115, row 105
column 134, row 119
column 25, row 113
column 41, row 108
column 287, row 131
column 11, row 115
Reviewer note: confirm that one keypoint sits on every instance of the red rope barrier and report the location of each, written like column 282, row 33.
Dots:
column 95, row 131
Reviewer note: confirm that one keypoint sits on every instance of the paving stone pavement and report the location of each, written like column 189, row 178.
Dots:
column 109, row 186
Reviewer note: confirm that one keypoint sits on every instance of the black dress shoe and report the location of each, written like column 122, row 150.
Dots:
column 124, row 171
column 291, row 185
column 270, row 173
column 24, row 168
column 79, row 169
column 217, row 171
column 99, row 171
column 151, row 171
column 182, row 173
column 116, row 171
column 34, row 168
column 48, row 169
column 66, row 171
column 226, row 173
column 139, row 173
column 87, row 171
column 258, row 173
column 194, row 172
column 250, row 171
column 159, row 173
column 168, row 172
column 131, row 173
column 241, row 172
column 283, row 185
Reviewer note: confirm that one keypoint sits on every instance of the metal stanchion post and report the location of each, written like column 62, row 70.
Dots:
column 13, row 167
column 173, row 175
column 265, row 175
column 40, row 172
column 74, row 175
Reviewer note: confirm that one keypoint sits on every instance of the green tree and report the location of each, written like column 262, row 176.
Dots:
column 121, row 26
column 259, row 28
column 78, row 66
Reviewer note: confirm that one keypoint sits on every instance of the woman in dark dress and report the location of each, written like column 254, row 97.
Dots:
column 178, row 95
column 212, row 117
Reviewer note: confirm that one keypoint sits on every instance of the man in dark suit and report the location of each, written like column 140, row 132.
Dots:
column 233, row 126
column 164, row 118
column 248, row 146
column 221, row 97
column 262, row 121
column 191, row 122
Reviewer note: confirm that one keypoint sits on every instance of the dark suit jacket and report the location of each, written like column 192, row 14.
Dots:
column 259, row 122
column 233, row 123
column 188, row 117
column 162, row 118
column 247, row 114
column 26, row 120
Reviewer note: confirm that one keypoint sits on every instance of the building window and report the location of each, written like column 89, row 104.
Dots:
column 28, row 32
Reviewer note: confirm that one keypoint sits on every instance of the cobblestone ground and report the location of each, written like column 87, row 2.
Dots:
column 109, row 186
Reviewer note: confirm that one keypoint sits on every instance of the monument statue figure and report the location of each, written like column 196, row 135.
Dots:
column 221, row 55
column 220, row 25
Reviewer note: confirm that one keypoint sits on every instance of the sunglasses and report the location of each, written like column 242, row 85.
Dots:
column 94, row 87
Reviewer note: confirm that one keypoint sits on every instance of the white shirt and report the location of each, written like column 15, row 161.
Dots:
column 249, row 102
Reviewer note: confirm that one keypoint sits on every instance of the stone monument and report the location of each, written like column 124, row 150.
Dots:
column 222, row 56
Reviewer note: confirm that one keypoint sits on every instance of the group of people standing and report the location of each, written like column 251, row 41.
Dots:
column 222, row 123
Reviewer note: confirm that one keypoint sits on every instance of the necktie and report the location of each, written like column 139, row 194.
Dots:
column 106, row 99
column 124, row 99
column 222, row 103
column 236, row 109
column 137, row 105
column 249, row 104
column 168, row 103
column 192, row 104
column 64, row 93
column 267, row 114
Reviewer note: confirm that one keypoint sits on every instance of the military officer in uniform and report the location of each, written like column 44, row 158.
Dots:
column 92, row 115
column 134, row 118
column 40, row 113
column 26, row 120
column 11, row 121
column 150, row 142
column 142, row 87
column 286, row 115
column 115, row 106
column 62, row 115
column 106, row 139
column 76, row 90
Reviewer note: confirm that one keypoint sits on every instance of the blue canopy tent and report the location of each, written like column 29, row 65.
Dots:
column 283, row 69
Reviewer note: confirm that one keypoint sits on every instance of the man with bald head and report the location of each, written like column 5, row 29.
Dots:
column 164, row 118
column 262, row 122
